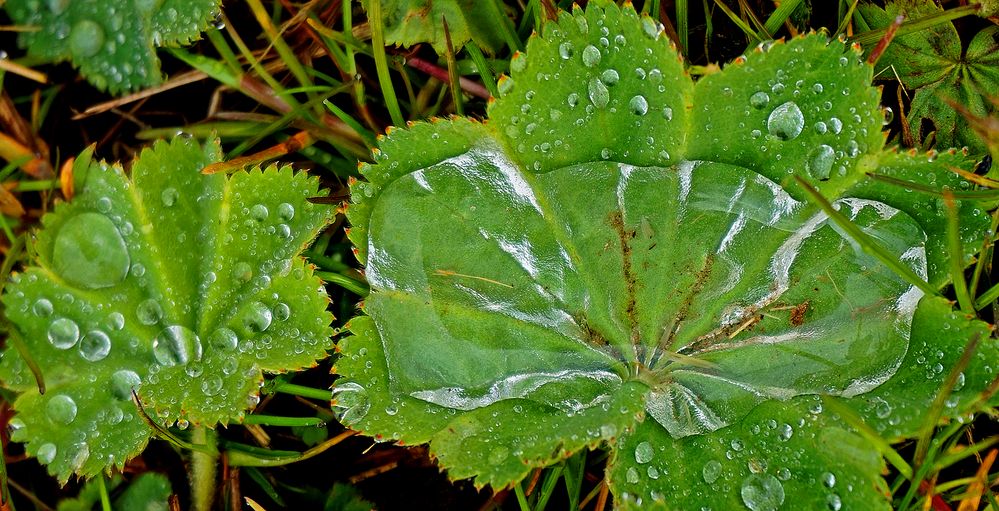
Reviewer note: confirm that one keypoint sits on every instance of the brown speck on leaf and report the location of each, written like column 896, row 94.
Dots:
column 798, row 313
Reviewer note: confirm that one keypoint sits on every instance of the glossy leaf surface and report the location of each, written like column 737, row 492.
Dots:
column 181, row 286
column 619, row 256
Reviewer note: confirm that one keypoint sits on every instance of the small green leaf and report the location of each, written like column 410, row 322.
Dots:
column 933, row 63
column 112, row 43
column 181, row 286
column 620, row 256
column 149, row 491
column 409, row 22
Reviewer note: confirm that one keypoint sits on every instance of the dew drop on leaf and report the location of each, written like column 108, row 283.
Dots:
column 42, row 308
column 257, row 317
column 828, row 479
column 498, row 454
column 122, row 383
column 95, row 346
column 90, row 252
column 644, row 453
column 836, row 125
column 833, row 502
column 85, row 39
column 46, row 453
column 572, row 99
column 223, row 339
column 505, row 85
column 711, row 471
column 61, row 409
column 786, row 121
column 285, row 211
column 116, row 321
column 63, row 333
column 820, row 162
column 610, row 77
column 259, row 212
column 639, row 105
column 169, row 197
column 57, row 6
column 565, row 50
column 785, row 432
column 591, row 56
column 632, row 475
column 350, row 402
column 759, row 100
column 762, row 492
column 149, row 312
column 241, row 271
column 599, row 95
column 176, row 345
column 282, row 312
column 212, row 385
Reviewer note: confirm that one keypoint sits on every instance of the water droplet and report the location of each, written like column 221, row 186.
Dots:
column 638, row 105
column 737, row 445
column 605, row 153
column 116, row 321
column 759, row 100
column 282, row 312
column 649, row 27
column 632, row 475
column 85, row 39
column 176, row 345
column 783, row 474
column 828, row 479
column 644, row 453
column 591, row 56
column 57, row 6
column 149, row 312
column 711, row 471
column 843, row 61
column 350, row 402
column 505, row 85
column 223, row 339
column 241, row 271
column 122, row 383
column 565, row 50
column 573, row 99
column 820, row 127
column 63, row 333
column 836, row 125
column 668, row 113
column 61, row 409
column 762, row 492
column 42, row 308
column 46, row 453
column 257, row 317
column 259, row 212
column 786, row 121
column 212, row 385
column 817, row 88
column 391, row 410
column 889, row 116
column 599, row 95
column 820, row 162
column 90, row 252
column 833, row 502
column 785, row 431
column 286, row 211
column 169, row 197
column 95, row 346
column 610, row 77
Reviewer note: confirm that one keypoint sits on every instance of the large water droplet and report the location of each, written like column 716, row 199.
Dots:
column 762, row 492
column 599, row 95
column 282, row 312
column 759, row 100
column 176, row 345
column 61, row 409
column 90, row 252
column 639, row 105
column 786, row 121
column 711, row 471
column 86, row 39
column 257, row 317
column 286, row 211
column 223, row 339
column 42, row 308
column 820, row 162
column 350, row 402
column 63, row 333
column 122, row 383
column 644, row 452
column 591, row 56
column 46, row 453
column 149, row 312
column 95, row 346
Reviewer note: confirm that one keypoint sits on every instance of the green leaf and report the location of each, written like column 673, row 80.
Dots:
column 181, row 286
column 934, row 64
column 622, row 257
column 409, row 22
column 149, row 491
column 112, row 43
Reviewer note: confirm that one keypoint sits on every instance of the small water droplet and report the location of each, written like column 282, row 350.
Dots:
column 122, row 383
column 282, row 312
column 223, row 339
column 785, row 431
column 350, row 402
column 46, row 453
column 212, row 385
column 711, row 471
column 89, row 252
column 176, row 345
column 61, row 409
column 169, row 197
column 762, row 492
column 668, row 113
column 833, row 502
column 644, row 453
column 591, row 56
column 42, row 308
column 116, row 321
column 632, row 475
column 95, row 346
column 786, row 121
column 889, row 116
column 638, row 105
column 149, row 312
column 836, row 125
column 259, row 212
column 86, row 39
column 599, row 95
column 286, row 211
column 610, row 77
column 63, row 333
column 820, row 162
column 759, row 100
column 505, row 85
column 817, row 88
column 257, row 317
column 828, row 479
column 565, row 50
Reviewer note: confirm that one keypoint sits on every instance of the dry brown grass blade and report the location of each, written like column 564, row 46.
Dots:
column 986, row 127
column 9, row 205
column 17, row 69
column 977, row 487
column 297, row 142
column 27, row 143
column 177, row 81
column 975, row 178
column 12, row 150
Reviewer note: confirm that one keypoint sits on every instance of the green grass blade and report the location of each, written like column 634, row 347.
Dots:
column 381, row 63
column 780, row 15
column 956, row 258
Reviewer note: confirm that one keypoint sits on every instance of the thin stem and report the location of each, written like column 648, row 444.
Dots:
column 204, row 466
column 301, row 390
column 102, row 488
column 274, row 420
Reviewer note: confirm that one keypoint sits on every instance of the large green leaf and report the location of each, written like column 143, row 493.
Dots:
column 181, row 286
column 934, row 64
column 620, row 256
column 113, row 43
